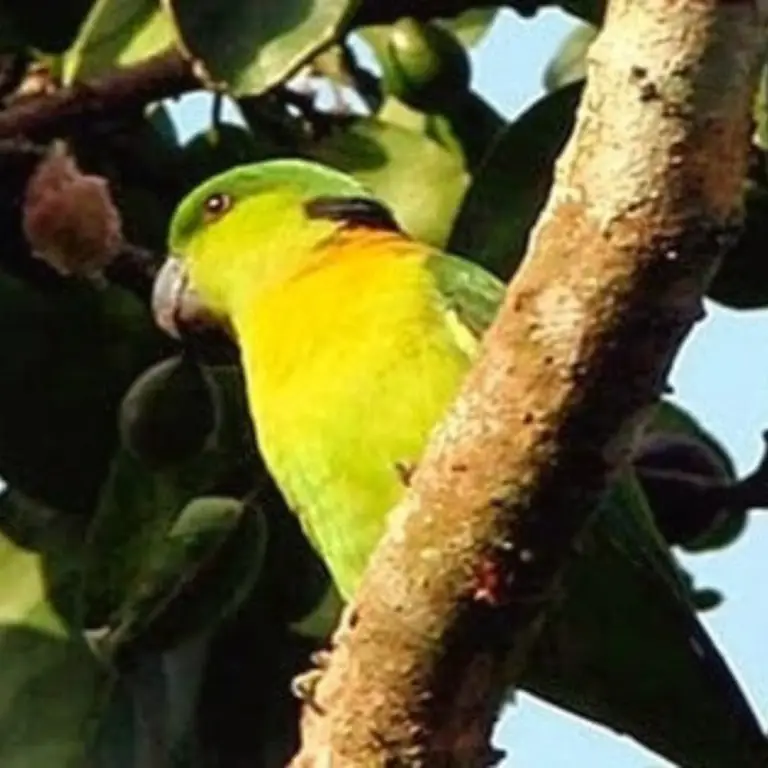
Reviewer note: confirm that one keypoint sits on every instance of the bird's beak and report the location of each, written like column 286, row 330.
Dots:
column 176, row 306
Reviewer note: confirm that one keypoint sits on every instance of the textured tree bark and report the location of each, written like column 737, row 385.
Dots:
column 646, row 196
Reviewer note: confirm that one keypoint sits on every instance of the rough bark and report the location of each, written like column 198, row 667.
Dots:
column 646, row 195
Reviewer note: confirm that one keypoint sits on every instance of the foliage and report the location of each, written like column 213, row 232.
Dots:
column 157, row 597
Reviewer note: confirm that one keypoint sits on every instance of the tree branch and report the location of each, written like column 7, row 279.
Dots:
column 647, row 194
column 124, row 90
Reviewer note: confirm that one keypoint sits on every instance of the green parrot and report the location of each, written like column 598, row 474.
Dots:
column 354, row 339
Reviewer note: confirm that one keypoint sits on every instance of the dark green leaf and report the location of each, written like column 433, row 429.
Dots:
column 741, row 282
column 218, row 149
column 202, row 570
column 70, row 353
column 50, row 28
column 138, row 506
column 252, row 46
column 512, row 183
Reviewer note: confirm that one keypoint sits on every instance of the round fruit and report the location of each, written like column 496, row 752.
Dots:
column 168, row 414
column 424, row 65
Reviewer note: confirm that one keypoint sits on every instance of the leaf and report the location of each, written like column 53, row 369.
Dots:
column 70, row 353
column 588, row 10
column 252, row 46
column 50, row 27
column 138, row 506
column 741, row 281
column 52, row 691
column 203, row 569
column 417, row 178
column 218, row 149
column 117, row 33
column 569, row 62
column 471, row 26
column 511, row 185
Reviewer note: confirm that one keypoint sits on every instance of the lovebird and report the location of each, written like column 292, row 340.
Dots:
column 354, row 339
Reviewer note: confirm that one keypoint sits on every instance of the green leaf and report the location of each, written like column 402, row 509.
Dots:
column 741, row 281
column 471, row 26
column 50, row 27
column 588, row 10
column 511, row 185
column 203, row 569
column 421, row 182
column 252, row 46
column 569, row 62
column 70, row 353
column 138, row 506
column 117, row 33
column 52, row 690
column 218, row 149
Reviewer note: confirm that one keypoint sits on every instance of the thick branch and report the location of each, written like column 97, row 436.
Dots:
column 122, row 91
column 647, row 194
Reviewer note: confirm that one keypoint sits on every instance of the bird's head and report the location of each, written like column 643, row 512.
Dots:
column 249, row 228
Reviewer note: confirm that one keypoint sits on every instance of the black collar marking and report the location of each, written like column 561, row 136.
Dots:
column 355, row 211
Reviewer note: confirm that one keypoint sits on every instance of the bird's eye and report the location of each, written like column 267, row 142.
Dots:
column 216, row 205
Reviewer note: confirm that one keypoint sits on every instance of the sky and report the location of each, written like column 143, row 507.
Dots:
column 721, row 376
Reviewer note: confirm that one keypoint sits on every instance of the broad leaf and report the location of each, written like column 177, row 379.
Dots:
column 252, row 46
column 52, row 690
column 421, row 182
column 510, row 187
column 70, row 352
column 118, row 33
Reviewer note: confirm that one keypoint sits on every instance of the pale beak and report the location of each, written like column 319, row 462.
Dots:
column 176, row 305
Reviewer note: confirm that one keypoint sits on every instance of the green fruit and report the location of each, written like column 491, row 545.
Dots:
column 424, row 65
column 168, row 414
column 675, row 471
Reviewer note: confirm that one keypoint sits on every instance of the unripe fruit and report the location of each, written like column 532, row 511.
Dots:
column 424, row 65
column 168, row 414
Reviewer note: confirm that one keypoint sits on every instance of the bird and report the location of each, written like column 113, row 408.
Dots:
column 354, row 338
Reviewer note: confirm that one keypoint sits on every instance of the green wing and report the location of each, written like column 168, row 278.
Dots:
column 468, row 290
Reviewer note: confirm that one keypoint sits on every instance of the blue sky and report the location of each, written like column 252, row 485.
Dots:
column 721, row 375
